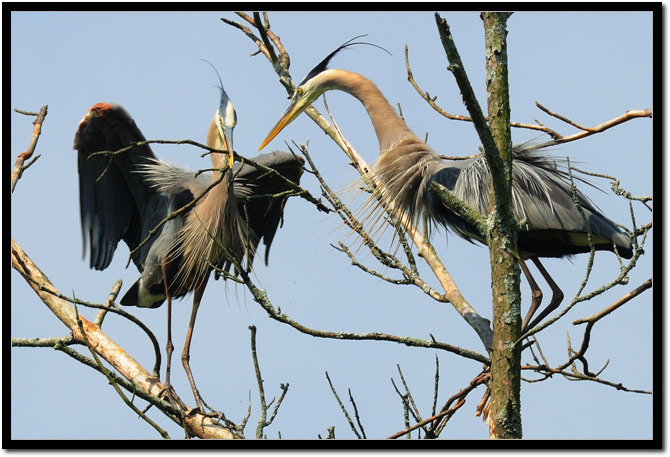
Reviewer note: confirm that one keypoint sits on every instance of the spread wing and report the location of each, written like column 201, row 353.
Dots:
column 115, row 200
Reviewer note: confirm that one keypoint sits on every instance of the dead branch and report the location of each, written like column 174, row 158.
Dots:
column 588, row 131
column 557, row 138
column 361, row 435
column 620, row 279
column 623, row 300
column 546, row 371
column 263, row 421
column 260, row 296
column 144, row 383
column 21, row 165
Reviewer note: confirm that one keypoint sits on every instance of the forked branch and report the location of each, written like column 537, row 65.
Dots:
column 23, row 161
column 557, row 138
column 144, row 383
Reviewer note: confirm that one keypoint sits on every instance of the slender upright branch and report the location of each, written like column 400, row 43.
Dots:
column 496, row 139
column 344, row 410
column 23, row 160
column 505, row 358
column 263, row 420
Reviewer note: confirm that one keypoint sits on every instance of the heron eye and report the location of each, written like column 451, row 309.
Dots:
column 299, row 91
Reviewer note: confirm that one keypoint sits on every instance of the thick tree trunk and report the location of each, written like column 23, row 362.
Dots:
column 505, row 411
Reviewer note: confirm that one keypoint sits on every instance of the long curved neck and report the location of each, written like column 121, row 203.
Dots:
column 406, row 163
column 214, row 141
column 215, row 204
column 389, row 127
column 214, row 217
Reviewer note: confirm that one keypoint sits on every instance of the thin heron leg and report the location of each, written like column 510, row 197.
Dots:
column 536, row 295
column 185, row 356
column 556, row 298
column 168, row 391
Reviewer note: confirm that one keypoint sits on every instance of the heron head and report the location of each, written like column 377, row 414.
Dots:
column 226, row 119
column 305, row 94
column 317, row 81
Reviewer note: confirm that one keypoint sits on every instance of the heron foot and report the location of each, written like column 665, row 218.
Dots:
column 200, row 406
column 168, row 393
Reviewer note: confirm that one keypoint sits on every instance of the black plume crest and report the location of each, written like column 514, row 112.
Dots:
column 323, row 65
column 217, row 75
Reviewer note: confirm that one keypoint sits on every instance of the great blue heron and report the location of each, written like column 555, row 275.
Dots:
column 125, row 196
column 541, row 192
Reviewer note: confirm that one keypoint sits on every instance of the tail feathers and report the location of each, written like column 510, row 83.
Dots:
column 142, row 298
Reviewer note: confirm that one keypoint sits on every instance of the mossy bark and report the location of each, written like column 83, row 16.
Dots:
column 505, row 411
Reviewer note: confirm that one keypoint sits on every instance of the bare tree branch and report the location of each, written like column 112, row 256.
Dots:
column 144, row 384
column 479, row 324
column 557, row 138
column 344, row 410
column 263, row 421
column 21, row 165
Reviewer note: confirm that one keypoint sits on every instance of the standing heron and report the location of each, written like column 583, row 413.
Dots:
column 541, row 192
column 126, row 196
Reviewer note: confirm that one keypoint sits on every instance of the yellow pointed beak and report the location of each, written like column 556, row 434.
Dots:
column 291, row 113
column 227, row 139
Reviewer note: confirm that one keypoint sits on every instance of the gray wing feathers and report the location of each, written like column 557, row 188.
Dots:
column 541, row 194
column 256, row 192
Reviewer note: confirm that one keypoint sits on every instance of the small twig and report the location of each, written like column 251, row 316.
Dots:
column 344, row 410
column 616, row 186
column 356, row 263
column 263, row 421
column 261, row 391
column 437, row 380
column 280, row 63
column 588, row 131
column 623, row 300
column 358, row 419
column 448, row 412
column 414, row 410
column 245, row 419
column 571, row 375
column 563, row 118
column 109, row 303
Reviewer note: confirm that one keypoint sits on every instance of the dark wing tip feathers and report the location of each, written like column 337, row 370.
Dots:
column 106, row 201
column 265, row 214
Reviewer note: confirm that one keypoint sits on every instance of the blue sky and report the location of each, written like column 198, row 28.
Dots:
column 590, row 67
